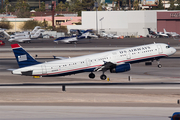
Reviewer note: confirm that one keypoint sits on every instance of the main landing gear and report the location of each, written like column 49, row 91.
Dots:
column 103, row 77
column 92, row 76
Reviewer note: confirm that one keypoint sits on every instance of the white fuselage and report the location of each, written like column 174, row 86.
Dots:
column 69, row 40
column 88, row 63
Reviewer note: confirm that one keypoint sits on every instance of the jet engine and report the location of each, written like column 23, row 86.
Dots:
column 121, row 68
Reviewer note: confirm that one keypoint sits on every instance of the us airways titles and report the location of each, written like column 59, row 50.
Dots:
column 136, row 49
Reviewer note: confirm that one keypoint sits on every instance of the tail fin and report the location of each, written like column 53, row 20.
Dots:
column 86, row 33
column 23, row 58
column 78, row 33
column 164, row 30
column 149, row 30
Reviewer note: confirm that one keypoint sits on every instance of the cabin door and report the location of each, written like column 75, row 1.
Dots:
column 159, row 49
column 128, row 55
column 44, row 71
column 88, row 62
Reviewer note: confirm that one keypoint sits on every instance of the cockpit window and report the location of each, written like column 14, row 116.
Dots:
column 168, row 46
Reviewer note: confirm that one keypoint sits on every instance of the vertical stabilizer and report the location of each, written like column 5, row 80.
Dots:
column 23, row 58
column 149, row 30
column 165, row 31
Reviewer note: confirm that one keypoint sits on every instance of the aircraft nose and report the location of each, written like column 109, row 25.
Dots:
column 173, row 50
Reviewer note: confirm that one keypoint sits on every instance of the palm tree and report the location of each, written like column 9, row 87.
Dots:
column 129, row 4
column 1, row 3
column 136, row 5
column 172, row 6
column 22, row 9
column 7, row 4
column 67, row 6
column 60, row 6
column 178, row 6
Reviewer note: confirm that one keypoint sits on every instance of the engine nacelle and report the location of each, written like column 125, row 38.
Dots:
column 121, row 68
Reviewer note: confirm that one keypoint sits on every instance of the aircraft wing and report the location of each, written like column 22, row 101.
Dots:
column 61, row 58
column 105, row 66
column 66, row 39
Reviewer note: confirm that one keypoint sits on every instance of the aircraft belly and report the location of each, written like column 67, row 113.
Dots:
column 68, row 70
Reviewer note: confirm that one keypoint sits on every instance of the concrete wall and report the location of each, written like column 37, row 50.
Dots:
column 119, row 22
column 16, row 23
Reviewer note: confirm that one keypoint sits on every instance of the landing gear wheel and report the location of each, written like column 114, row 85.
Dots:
column 91, row 75
column 159, row 65
column 103, row 77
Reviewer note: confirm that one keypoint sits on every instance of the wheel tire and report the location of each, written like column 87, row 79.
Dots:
column 159, row 66
column 92, row 75
column 103, row 77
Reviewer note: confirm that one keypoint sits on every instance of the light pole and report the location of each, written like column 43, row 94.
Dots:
column 101, row 22
column 96, row 6
column 15, row 25
column 52, row 10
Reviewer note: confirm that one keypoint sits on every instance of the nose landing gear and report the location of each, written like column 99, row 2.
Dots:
column 159, row 65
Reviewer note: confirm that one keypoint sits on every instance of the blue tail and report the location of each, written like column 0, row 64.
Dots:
column 23, row 58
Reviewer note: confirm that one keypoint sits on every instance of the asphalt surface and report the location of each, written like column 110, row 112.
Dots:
column 150, row 93
column 126, row 42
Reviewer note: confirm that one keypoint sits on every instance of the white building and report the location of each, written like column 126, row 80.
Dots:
column 119, row 22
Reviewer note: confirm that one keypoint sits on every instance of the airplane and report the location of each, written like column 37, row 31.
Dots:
column 27, row 38
column 157, row 34
column 26, row 32
column 171, row 34
column 115, row 61
column 103, row 34
column 90, row 31
column 91, row 35
column 73, row 39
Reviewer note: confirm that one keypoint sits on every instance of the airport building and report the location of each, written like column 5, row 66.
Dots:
column 130, row 23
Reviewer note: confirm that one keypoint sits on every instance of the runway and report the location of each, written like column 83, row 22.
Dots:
column 82, row 113
column 151, row 93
